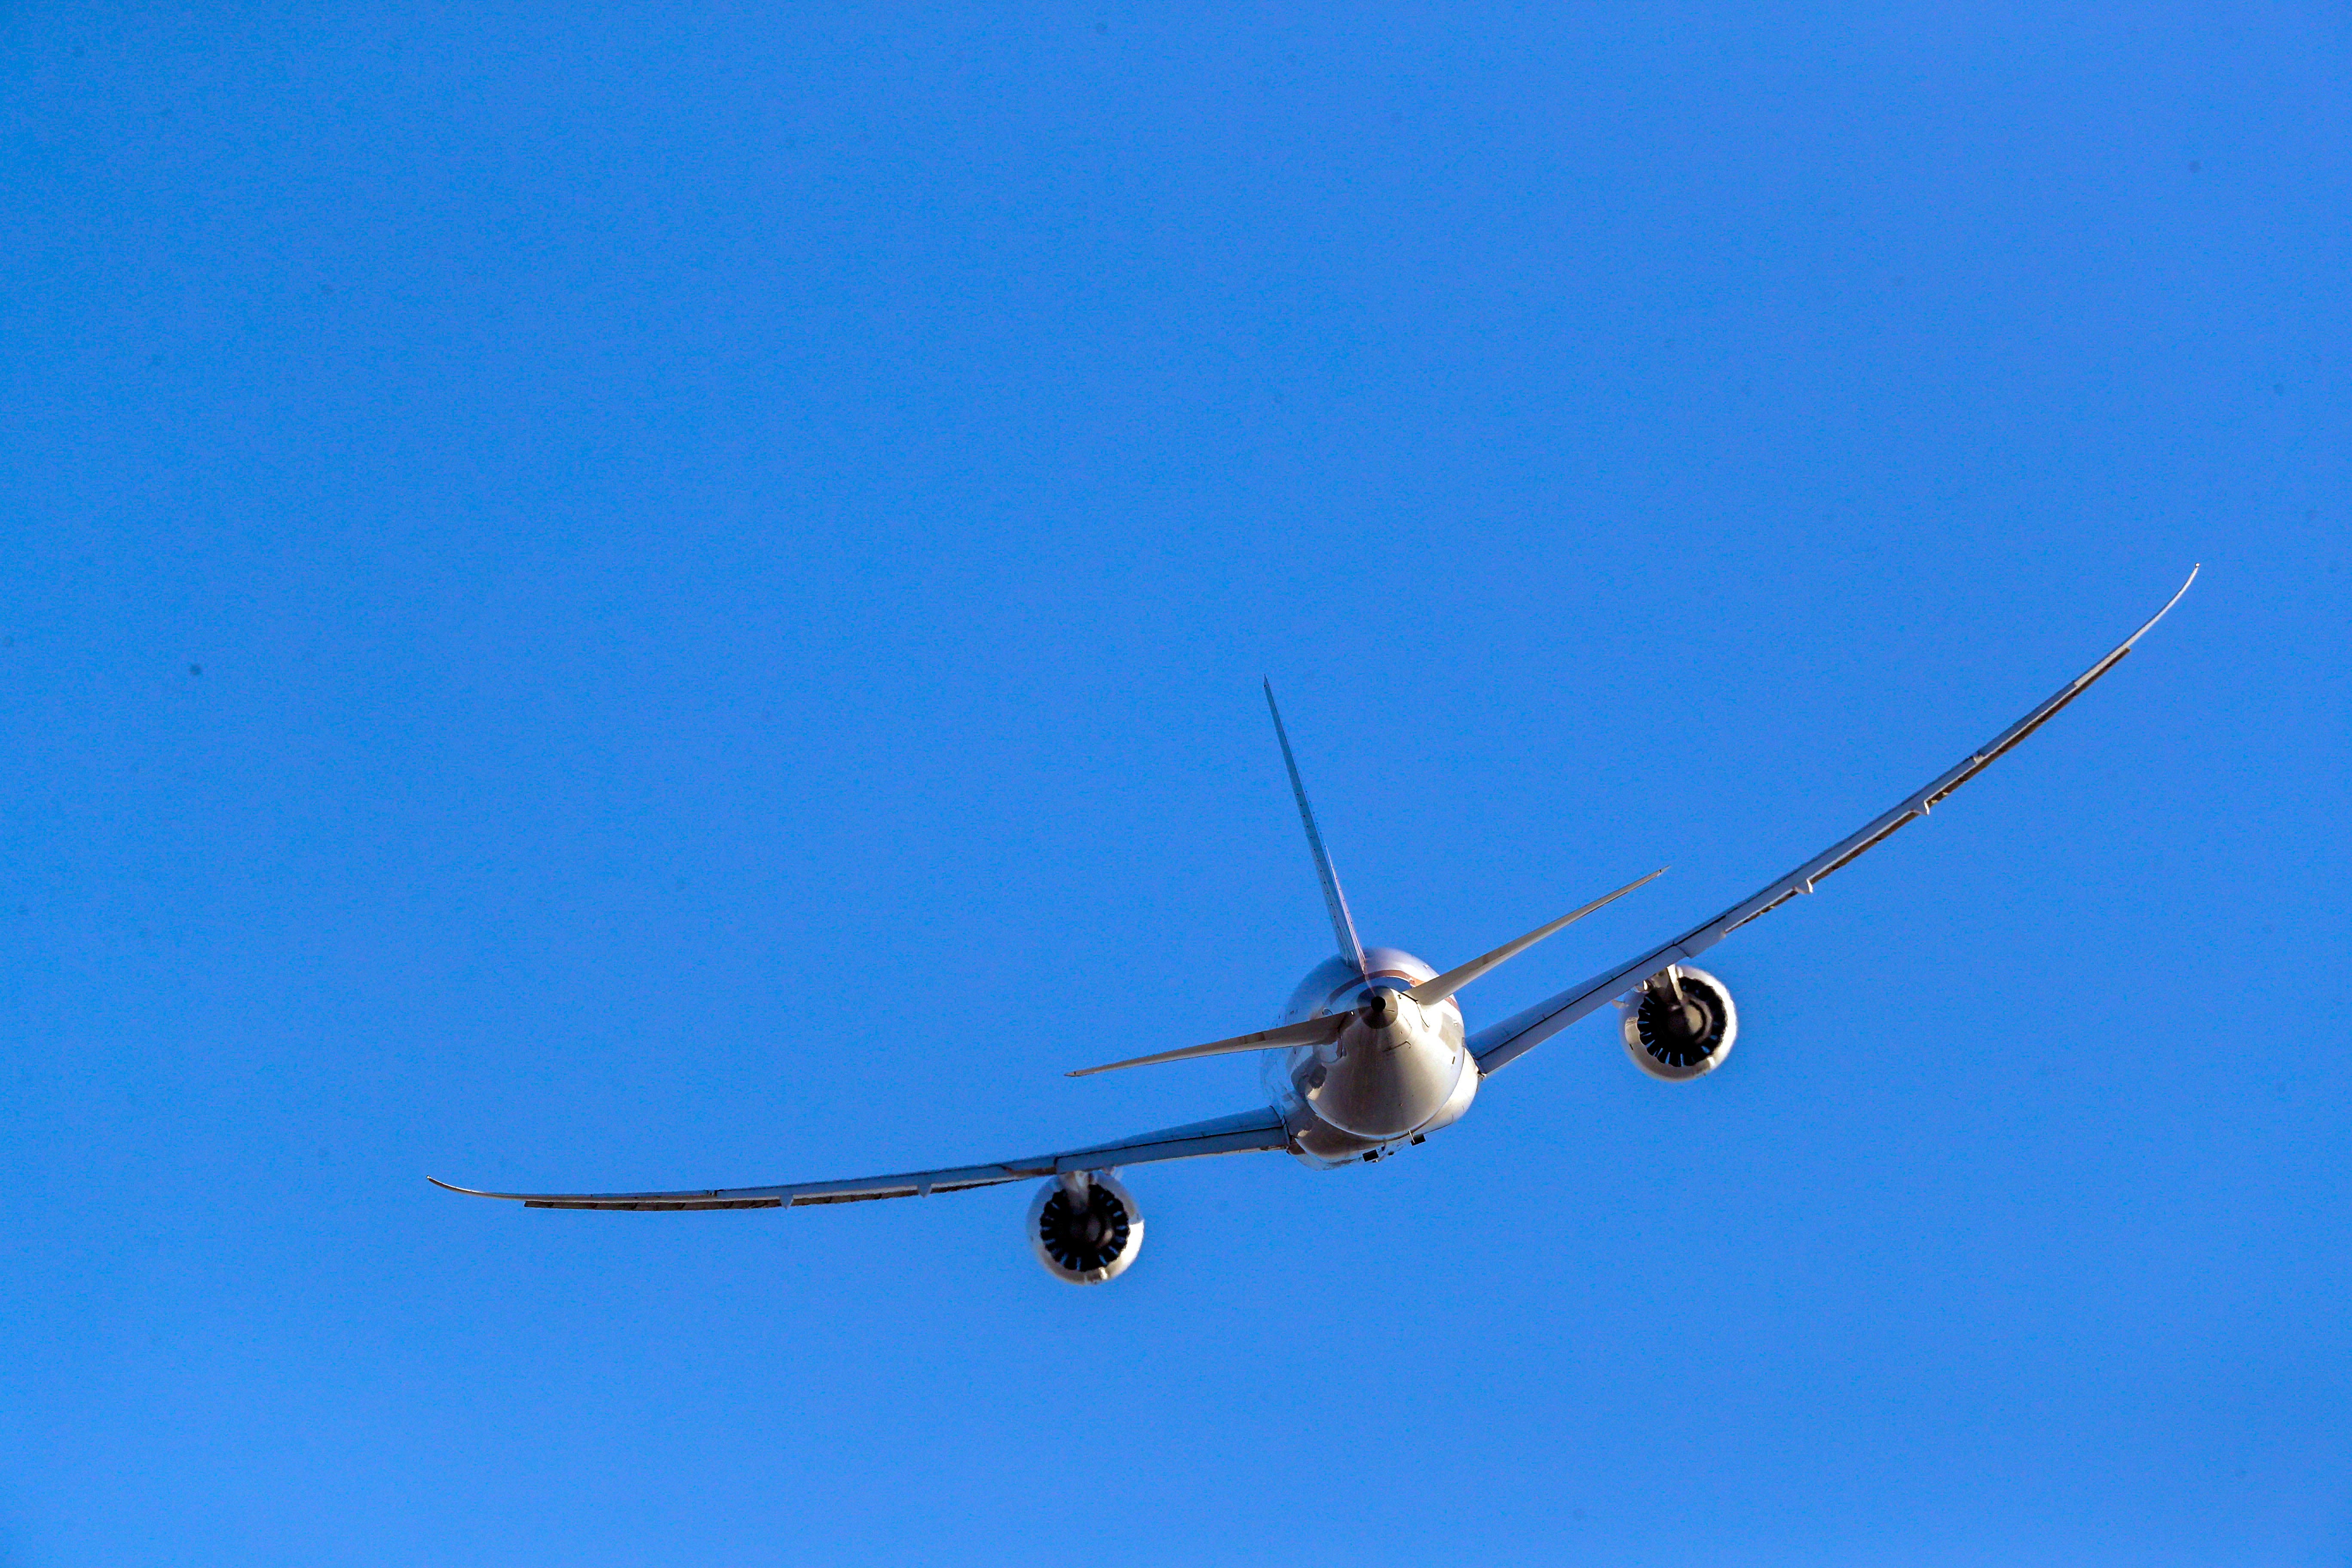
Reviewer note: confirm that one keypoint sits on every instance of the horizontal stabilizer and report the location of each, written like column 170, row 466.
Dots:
column 1452, row 980
column 1312, row 1032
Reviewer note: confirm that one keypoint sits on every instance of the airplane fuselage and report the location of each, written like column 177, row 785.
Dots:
column 1380, row 1083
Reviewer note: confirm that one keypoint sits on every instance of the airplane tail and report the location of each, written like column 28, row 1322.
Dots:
column 1343, row 925
column 1329, row 1026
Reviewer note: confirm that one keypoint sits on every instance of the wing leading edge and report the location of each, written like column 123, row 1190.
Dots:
column 1248, row 1133
column 1499, row 1045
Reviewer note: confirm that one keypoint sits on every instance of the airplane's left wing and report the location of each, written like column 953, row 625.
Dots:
column 1499, row 1044
column 1248, row 1133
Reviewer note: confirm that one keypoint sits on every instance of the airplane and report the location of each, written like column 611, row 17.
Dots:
column 1371, row 1055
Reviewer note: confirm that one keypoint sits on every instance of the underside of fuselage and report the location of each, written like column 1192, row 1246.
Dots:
column 1388, row 1079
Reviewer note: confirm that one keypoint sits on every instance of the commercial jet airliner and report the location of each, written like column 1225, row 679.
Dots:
column 1372, row 1055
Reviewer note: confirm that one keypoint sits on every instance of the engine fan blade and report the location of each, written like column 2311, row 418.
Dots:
column 1312, row 1032
column 1452, row 980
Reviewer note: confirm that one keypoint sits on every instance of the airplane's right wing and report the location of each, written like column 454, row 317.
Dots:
column 1249, row 1132
column 1499, row 1045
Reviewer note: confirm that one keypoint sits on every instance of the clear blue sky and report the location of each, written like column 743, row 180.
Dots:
column 731, row 550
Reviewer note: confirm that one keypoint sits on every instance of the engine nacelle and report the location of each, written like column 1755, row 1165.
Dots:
column 1086, row 1228
column 1679, row 1024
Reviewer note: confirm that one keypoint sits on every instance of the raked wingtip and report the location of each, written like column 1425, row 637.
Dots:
column 468, row 1191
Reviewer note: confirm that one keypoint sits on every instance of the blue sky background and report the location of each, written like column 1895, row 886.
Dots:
column 731, row 550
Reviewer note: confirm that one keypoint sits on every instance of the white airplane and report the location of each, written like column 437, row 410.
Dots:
column 1371, row 1055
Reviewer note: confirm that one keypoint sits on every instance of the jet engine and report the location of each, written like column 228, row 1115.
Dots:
column 1679, row 1024
column 1086, row 1228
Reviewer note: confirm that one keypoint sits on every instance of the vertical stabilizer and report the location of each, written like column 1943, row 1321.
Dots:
column 1343, row 925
